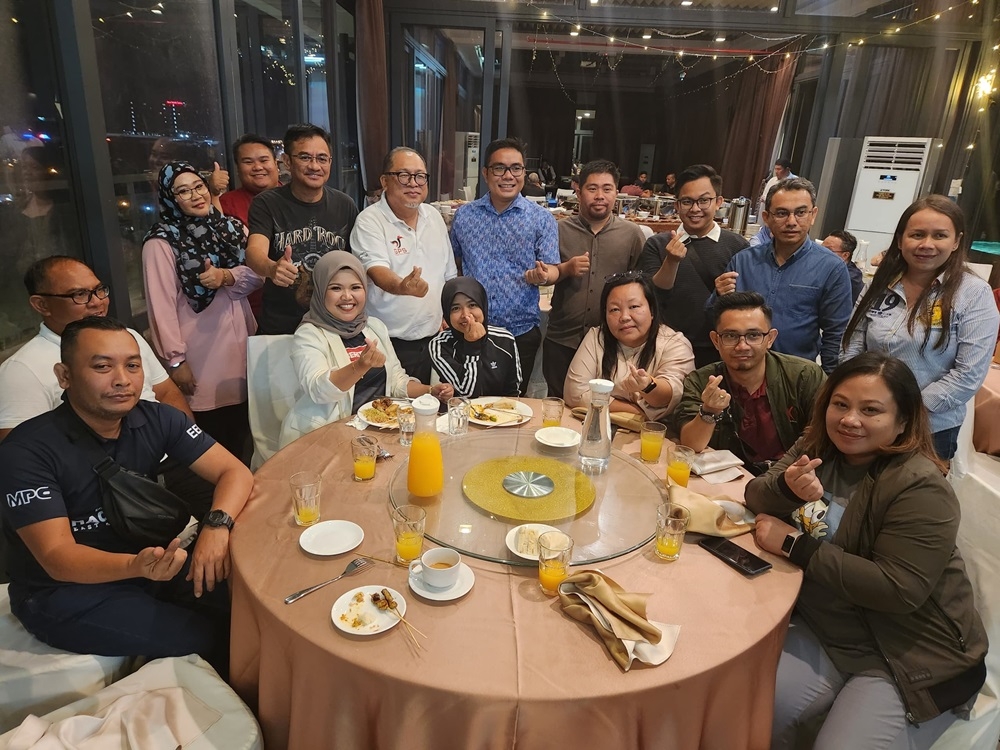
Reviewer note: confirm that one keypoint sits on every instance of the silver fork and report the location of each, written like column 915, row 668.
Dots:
column 353, row 567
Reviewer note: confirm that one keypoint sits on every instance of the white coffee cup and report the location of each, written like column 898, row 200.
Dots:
column 438, row 568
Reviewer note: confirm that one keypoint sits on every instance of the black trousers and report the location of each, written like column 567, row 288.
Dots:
column 556, row 360
column 527, row 349
column 415, row 357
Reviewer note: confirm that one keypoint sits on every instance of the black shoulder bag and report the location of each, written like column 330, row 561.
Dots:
column 138, row 509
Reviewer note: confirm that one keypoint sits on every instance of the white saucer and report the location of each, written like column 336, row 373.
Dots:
column 331, row 537
column 511, row 539
column 462, row 586
column 558, row 437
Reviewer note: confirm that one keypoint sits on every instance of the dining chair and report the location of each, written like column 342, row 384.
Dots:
column 272, row 390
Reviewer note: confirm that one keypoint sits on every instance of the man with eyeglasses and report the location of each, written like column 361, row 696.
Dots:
column 806, row 285
column 294, row 225
column 755, row 402
column 510, row 245
column 685, row 263
column 592, row 246
column 404, row 247
column 62, row 290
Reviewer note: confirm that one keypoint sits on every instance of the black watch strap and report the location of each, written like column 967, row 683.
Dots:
column 708, row 416
column 651, row 387
column 218, row 518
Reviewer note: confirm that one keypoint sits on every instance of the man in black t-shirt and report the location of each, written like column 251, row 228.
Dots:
column 294, row 225
column 74, row 582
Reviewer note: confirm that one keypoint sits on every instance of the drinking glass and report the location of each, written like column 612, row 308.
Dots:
column 671, row 523
column 364, row 449
column 407, row 424
column 458, row 415
column 408, row 523
column 552, row 411
column 651, row 441
column 679, row 464
column 305, row 486
column 555, row 550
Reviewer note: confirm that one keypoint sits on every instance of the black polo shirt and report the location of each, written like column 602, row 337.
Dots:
column 46, row 476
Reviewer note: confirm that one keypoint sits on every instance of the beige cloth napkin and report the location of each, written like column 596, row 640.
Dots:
column 709, row 515
column 619, row 617
column 624, row 420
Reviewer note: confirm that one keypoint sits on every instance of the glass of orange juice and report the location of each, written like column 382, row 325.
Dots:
column 305, row 486
column 651, row 441
column 408, row 523
column 555, row 550
column 363, row 450
column 552, row 411
column 679, row 464
column 671, row 523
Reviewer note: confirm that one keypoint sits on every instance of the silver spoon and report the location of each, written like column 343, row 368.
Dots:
column 352, row 567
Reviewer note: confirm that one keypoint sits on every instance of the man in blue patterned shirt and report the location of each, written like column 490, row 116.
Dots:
column 511, row 246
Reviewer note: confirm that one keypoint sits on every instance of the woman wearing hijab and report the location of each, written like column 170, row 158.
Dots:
column 342, row 357
column 476, row 358
column 196, row 289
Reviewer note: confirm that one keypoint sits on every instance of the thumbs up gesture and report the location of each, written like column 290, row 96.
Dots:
column 284, row 272
column 211, row 277
column 413, row 285
column 218, row 181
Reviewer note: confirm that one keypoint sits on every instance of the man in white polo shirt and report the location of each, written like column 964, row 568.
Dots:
column 63, row 289
column 403, row 244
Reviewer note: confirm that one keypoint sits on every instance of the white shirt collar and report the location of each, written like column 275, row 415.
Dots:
column 390, row 216
column 713, row 234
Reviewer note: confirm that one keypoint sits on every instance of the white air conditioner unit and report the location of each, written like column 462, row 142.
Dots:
column 892, row 173
column 466, row 162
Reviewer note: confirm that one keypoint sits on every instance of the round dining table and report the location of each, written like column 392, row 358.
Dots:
column 502, row 666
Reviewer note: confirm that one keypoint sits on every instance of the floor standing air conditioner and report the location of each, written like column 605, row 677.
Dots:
column 466, row 164
column 892, row 173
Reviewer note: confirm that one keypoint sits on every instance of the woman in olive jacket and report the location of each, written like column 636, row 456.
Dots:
column 885, row 634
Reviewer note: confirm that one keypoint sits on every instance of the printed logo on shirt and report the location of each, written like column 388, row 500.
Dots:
column 309, row 244
column 885, row 304
column 193, row 431
column 94, row 521
column 397, row 246
column 353, row 352
column 24, row 497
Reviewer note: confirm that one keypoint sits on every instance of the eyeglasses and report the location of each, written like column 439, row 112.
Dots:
column 405, row 178
column 321, row 159
column 630, row 275
column 498, row 170
column 781, row 214
column 83, row 296
column 187, row 193
column 730, row 339
column 703, row 203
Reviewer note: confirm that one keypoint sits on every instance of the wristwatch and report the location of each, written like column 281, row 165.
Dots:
column 708, row 417
column 786, row 546
column 217, row 518
column 651, row 387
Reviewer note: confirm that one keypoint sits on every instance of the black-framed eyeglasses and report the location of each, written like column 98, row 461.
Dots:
column 405, row 178
column 83, row 296
column 702, row 203
column 304, row 158
column 730, row 339
column 498, row 170
column 781, row 214
column 629, row 275
column 187, row 193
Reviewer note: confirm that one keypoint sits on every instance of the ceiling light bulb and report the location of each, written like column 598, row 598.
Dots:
column 825, row 45
column 720, row 38
column 647, row 34
column 897, row 29
column 715, row 57
column 611, row 38
column 686, row 3
column 574, row 33
column 774, row 8
column 750, row 59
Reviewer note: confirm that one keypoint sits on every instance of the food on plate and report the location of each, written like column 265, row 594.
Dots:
column 503, row 411
column 527, row 541
column 356, row 617
column 379, row 601
column 390, row 602
column 383, row 411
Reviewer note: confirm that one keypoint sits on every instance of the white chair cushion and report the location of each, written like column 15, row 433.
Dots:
column 175, row 702
column 35, row 678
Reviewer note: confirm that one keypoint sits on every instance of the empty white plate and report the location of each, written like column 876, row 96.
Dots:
column 558, row 437
column 331, row 537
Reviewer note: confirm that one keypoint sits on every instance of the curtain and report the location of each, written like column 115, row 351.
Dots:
column 763, row 92
column 373, row 89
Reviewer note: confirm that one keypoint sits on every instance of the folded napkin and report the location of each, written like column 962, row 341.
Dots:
column 619, row 617
column 622, row 419
column 709, row 461
column 712, row 516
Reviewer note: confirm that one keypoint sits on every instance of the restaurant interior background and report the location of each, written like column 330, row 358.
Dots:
column 97, row 94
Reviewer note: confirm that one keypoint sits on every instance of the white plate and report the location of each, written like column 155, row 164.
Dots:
column 462, row 586
column 393, row 425
column 511, row 538
column 558, row 437
column 376, row 620
column 521, row 408
column 331, row 537
column 737, row 512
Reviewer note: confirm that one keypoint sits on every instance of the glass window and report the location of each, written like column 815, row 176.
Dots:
column 38, row 214
column 345, row 133
column 162, row 103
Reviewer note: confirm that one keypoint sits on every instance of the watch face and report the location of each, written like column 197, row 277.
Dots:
column 218, row 518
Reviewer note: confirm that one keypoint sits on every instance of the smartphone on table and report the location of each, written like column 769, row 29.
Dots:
column 733, row 554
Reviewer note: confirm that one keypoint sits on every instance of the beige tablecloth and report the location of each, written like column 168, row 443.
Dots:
column 986, row 427
column 503, row 667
